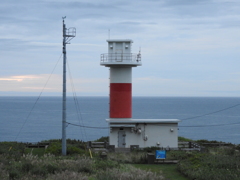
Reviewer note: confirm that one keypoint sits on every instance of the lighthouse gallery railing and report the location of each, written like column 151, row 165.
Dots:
column 121, row 57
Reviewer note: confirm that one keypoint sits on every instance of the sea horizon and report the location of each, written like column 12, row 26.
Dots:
column 44, row 120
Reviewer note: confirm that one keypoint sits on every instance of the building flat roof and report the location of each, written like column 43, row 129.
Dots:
column 130, row 63
column 152, row 121
column 120, row 40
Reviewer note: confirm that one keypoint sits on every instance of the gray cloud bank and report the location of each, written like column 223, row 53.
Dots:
column 189, row 48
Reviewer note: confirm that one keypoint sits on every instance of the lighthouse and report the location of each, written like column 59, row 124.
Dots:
column 124, row 131
column 120, row 61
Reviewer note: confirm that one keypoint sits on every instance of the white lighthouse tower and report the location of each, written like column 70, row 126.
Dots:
column 120, row 60
column 123, row 130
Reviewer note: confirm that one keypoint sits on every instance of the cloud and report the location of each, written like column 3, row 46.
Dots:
column 183, row 43
column 177, row 87
column 19, row 78
column 51, row 83
column 30, row 82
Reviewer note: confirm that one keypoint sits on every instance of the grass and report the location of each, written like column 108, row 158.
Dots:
column 18, row 162
column 169, row 171
column 35, row 151
column 76, row 167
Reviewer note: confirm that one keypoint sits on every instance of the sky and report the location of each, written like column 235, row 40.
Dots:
column 188, row 48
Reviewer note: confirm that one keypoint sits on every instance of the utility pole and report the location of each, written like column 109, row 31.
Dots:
column 68, row 34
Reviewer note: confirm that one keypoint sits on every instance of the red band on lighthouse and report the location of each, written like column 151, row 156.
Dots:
column 120, row 100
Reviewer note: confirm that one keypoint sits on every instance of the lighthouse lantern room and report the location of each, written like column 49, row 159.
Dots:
column 124, row 131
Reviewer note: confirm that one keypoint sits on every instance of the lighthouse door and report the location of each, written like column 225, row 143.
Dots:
column 121, row 139
column 119, row 55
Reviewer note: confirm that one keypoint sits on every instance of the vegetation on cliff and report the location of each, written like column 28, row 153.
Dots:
column 19, row 162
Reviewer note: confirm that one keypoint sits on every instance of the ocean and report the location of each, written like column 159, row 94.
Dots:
column 24, row 119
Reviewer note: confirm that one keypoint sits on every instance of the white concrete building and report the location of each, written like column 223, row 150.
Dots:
column 143, row 132
column 123, row 130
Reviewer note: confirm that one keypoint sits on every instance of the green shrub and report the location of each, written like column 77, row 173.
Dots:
column 54, row 148
column 14, row 169
column 103, row 139
column 180, row 138
column 35, row 151
column 78, row 164
column 13, row 149
column 127, row 172
column 3, row 172
column 101, row 164
column 74, row 150
column 67, row 175
column 73, row 147
column 215, row 166
column 52, row 168
column 178, row 155
column 4, row 159
column 207, row 141
column 133, row 157
column 84, row 165
column 14, row 173
column 26, row 166
column 39, row 170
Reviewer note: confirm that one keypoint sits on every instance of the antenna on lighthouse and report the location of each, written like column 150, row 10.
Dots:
column 68, row 35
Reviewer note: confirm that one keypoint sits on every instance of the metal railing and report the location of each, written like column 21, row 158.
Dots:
column 121, row 57
column 70, row 32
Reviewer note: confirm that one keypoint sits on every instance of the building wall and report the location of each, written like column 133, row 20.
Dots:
column 119, row 47
column 151, row 135
column 121, row 74
column 120, row 92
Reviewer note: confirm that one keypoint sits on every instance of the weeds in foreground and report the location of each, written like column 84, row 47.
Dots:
column 220, row 164
column 51, row 167
column 129, row 158
column 128, row 172
column 67, row 175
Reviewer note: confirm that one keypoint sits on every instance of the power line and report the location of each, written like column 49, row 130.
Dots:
column 214, row 112
column 87, row 126
column 185, row 119
column 77, row 106
column 212, row 125
column 158, row 125
column 37, row 99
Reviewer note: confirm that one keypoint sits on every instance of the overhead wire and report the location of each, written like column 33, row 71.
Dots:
column 74, row 98
column 77, row 106
column 30, row 112
column 81, row 123
column 87, row 126
column 214, row 112
column 211, row 125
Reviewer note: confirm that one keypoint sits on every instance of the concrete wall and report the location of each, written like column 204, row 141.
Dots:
column 166, row 135
column 119, row 47
column 121, row 74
